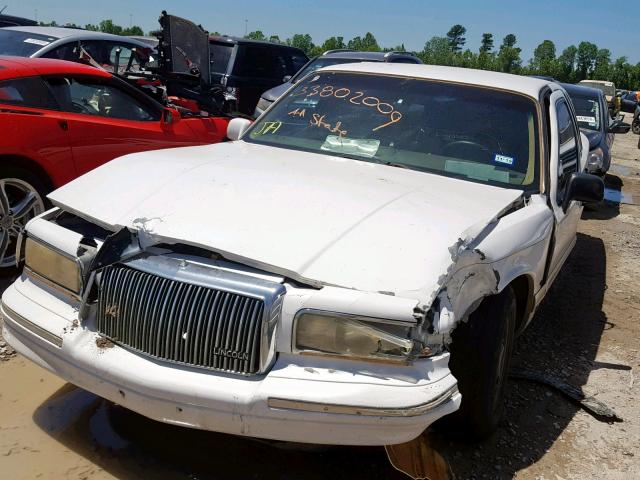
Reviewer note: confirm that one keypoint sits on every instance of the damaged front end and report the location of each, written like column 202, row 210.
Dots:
column 173, row 308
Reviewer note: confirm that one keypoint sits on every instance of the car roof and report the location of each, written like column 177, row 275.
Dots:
column 71, row 33
column 247, row 41
column 581, row 90
column 17, row 67
column 504, row 81
column 17, row 20
column 599, row 82
column 358, row 55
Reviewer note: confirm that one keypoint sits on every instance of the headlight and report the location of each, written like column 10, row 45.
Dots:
column 263, row 104
column 352, row 336
column 53, row 265
column 595, row 160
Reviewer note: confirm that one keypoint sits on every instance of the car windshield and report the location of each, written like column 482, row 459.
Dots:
column 320, row 62
column 22, row 44
column 469, row 132
column 587, row 111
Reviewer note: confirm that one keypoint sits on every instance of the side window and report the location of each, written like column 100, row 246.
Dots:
column 257, row 62
column 126, row 52
column 28, row 92
column 86, row 96
column 67, row 51
column 568, row 149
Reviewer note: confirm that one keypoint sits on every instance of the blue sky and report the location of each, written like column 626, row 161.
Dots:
column 411, row 22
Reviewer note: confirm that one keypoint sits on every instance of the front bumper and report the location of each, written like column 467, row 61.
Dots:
column 301, row 399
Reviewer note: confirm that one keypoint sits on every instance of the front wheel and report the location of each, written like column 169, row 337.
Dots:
column 480, row 356
column 21, row 198
column 635, row 126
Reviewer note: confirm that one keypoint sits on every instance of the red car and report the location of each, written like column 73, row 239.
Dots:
column 60, row 119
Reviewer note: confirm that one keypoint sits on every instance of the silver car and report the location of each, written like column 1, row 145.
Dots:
column 63, row 43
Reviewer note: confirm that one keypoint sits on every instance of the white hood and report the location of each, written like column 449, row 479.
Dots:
column 307, row 216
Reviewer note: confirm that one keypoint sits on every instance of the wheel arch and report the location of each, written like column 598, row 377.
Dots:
column 523, row 290
column 30, row 165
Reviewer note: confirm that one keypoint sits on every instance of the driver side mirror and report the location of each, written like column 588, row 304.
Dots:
column 583, row 187
column 237, row 127
column 618, row 126
column 170, row 116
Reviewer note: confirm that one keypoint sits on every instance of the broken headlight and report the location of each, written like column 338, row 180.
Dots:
column 352, row 336
column 53, row 265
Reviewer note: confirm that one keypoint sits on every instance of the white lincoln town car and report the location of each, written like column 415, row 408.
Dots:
column 350, row 268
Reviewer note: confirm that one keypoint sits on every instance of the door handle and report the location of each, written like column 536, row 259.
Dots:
column 63, row 125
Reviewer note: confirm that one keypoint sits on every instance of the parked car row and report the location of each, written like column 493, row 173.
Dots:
column 594, row 120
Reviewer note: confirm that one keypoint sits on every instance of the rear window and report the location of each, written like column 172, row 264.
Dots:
column 587, row 111
column 320, row 62
column 257, row 61
column 219, row 55
column 28, row 92
column 22, row 44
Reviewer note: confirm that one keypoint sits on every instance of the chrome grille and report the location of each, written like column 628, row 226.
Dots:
column 189, row 322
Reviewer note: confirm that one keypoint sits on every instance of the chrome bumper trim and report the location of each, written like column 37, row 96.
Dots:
column 9, row 314
column 415, row 411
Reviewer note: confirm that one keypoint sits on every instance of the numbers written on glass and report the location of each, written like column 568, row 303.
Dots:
column 356, row 98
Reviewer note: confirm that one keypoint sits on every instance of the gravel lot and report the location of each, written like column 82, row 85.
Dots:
column 586, row 334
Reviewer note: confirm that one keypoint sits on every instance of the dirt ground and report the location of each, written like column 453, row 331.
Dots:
column 586, row 333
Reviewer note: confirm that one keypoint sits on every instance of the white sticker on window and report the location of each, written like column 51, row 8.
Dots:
column 586, row 119
column 35, row 41
column 504, row 159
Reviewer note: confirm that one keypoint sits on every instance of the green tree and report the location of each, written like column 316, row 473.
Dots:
column 544, row 59
column 397, row 48
column 275, row 39
column 303, row 41
column 567, row 64
column 368, row 43
column 134, row 30
column 622, row 73
column 586, row 59
column 107, row 26
column 602, row 64
column 456, row 37
column 486, row 58
column 333, row 43
column 257, row 35
column 509, row 55
column 486, row 46
column 437, row 51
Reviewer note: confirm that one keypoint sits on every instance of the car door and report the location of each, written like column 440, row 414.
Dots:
column 565, row 154
column 32, row 127
column 107, row 119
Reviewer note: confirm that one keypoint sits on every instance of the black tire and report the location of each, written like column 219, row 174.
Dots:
column 31, row 181
column 480, row 357
column 635, row 127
